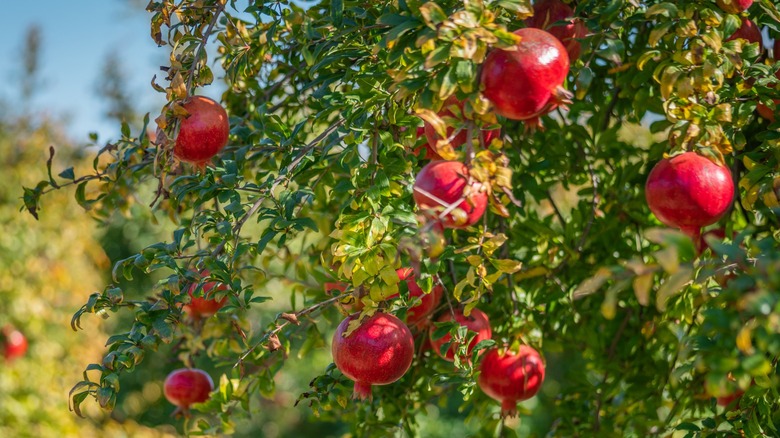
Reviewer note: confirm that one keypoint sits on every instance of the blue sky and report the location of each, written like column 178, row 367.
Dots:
column 77, row 37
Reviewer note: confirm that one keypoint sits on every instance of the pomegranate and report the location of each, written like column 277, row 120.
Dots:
column 689, row 191
column 477, row 322
column 205, row 306
column 555, row 17
column 203, row 133
column 727, row 400
column 527, row 83
column 418, row 313
column 186, row 386
column 511, row 377
column 734, row 6
column 444, row 186
column 13, row 343
column 378, row 352
column 748, row 31
column 459, row 139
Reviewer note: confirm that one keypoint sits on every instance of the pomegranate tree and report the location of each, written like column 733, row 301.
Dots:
column 186, row 386
column 511, row 377
column 526, row 83
column 447, row 188
column 477, row 322
column 458, row 139
column 12, row 343
column 689, row 191
column 555, row 17
column 205, row 306
column 203, row 133
column 378, row 352
column 420, row 312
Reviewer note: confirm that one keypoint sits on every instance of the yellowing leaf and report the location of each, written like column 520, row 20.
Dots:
column 507, row 266
column 593, row 283
column 672, row 286
column 744, row 343
column 642, row 285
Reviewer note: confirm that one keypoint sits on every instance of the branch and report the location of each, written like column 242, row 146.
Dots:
column 203, row 42
column 281, row 177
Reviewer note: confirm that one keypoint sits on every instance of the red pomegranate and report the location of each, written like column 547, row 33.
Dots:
column 734, row 6
column 689, row 191
column 555, row 17
column 379, row 352
column 12, row 343
column 428, row 302
column 459, row 139
column 727, row 400
column 186, row 386
column 203, row 133
column 443, row 186
column 205, row 306
column 748, row 31
column 477, row 322
column 511, row 377
column 527, row 83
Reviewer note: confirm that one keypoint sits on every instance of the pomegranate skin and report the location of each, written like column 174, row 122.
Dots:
column 477, row 322
column 203, row 133
column 186, row 386
column 379, row 352
column 748, row 31
column 511, row 377
column 526, row 83
column 205, row 307
column 419, row 313
column 549, row 12
column 734, row 6
column 459, row 140
column 445, row 182
column 13, row 343
column 688, row 191
column 726, row 400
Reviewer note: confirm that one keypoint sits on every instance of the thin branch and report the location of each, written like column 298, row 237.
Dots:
column 610, row 355
column 203, row 42
column 281, row 177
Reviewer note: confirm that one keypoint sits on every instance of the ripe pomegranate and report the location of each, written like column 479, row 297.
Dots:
column 689, row 191
column 378, row 352
column 205, row 306
column 527, row 83
column 12, row 343
column 186, row 386
column 555, row 17
column 203, row 133
column 460, row 139
column 726, row 400
column 734, row 6
column 748, row 31
column 511, row 377
column 477, row 322
column 418, row 313
column 442, row 186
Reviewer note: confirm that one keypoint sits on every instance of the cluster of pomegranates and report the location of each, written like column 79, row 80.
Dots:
column 381, row 349
column 185, row 386
column 538, row 65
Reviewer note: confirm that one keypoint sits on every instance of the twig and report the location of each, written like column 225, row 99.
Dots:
column 203, row 42
column 279, row 327
column 282, row 175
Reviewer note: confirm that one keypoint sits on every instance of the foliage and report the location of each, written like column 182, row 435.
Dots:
column 316, row 186
column 42, row 280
